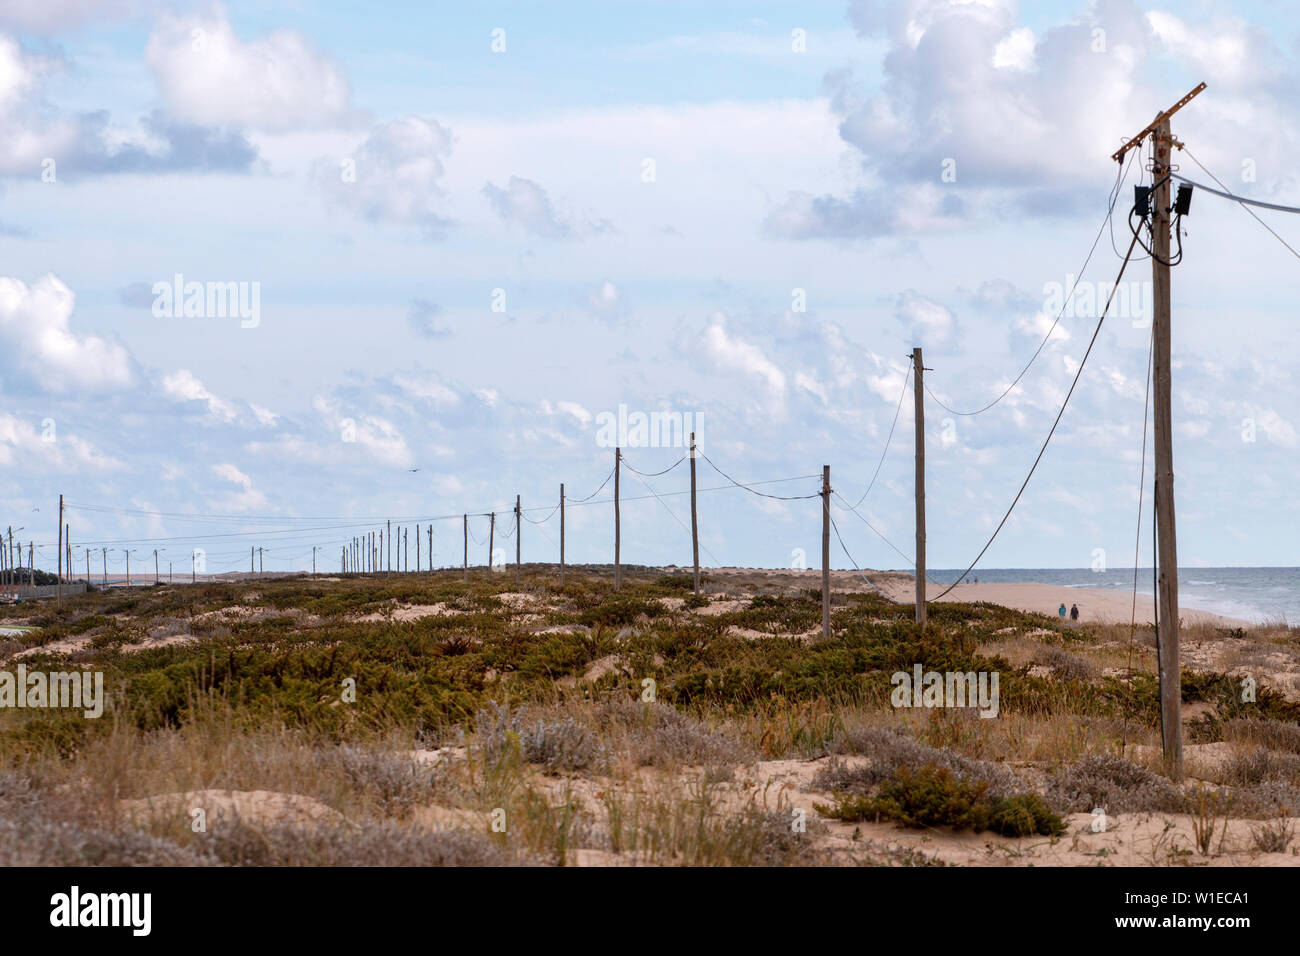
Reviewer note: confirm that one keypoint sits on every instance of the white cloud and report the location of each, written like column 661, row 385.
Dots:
column 1276, row 428
column 38, row 339
column 182, row 386
column 22, row 443
column 736, row 355
column 927, row 322
column 394, row 175
column 1015, row 51
column 264, row 416
column 427, row 389
column 58, row 15
column 377, row 437
column 525, row 203
column 208, row 75
column 248, row 496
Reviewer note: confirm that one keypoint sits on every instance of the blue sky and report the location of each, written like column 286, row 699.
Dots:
column 749, row 212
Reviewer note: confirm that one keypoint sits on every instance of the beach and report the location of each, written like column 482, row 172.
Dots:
column 1101, row 605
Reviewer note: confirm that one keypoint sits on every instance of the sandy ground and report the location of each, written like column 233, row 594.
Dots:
column 1095, row 604
column 1102, row 605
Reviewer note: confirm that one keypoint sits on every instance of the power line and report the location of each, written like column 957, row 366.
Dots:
column 890, row 437
column 652, row 474
column 578, row 501
column 1066, row 301
column 1243, row 203
column 861, row 574
column 1232, row 196
column 1093, row 341
column 850, row 508
column 683, row 525
column 748, row 487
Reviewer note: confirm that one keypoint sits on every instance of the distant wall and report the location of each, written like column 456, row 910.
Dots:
column 26, row 593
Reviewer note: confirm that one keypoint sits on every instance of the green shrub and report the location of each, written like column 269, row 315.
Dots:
column 932, row 797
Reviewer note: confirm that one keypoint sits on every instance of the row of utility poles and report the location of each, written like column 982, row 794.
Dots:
column 364, row 553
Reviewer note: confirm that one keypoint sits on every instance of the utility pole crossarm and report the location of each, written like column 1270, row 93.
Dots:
column 1118, row 155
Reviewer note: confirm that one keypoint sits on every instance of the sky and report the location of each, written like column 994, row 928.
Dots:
column 438, row 246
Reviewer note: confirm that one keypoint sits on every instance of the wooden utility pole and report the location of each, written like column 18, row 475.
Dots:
column 87, row 566
column 492, row 537
column 406, row 548
column 826, row 551
column 31, row 564
column 128, row 566
column 518, row 546
column 1166, row 535
column 1171, row 722
column 561, row 534
column 464, row 525
column 105, row 556
column 59, row 579
column 313, row 560
column 430, row 548
column 695, row 521
column 918, row 390
column 618, row 531
column 389, row 545
column 155, row 567
column 417, row 548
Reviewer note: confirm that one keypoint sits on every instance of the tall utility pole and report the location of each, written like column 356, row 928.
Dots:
column 1166, row 535
column 105, row 556
column 464, row 527
column 155, row 566
column 492, row 538
column 561, row 534
column 417, row 548
column 826, row 551
column 918, row 389
column 518, row 547
column 389, row 545
column 128, row 566
column 59, row 580
column 695, row 521
column 618, row 531
column 430, row 529
column 313, row 560
column 1171, row 721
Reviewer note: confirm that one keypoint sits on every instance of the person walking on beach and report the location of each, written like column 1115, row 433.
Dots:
column 1061, row 611
column 1074, row 612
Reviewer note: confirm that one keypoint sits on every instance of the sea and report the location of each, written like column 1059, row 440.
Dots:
column 1261, row 595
